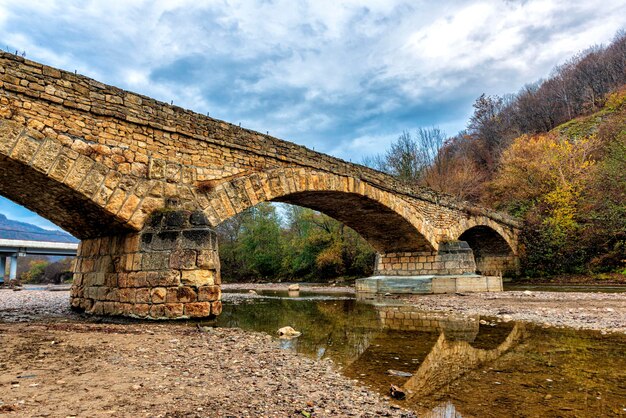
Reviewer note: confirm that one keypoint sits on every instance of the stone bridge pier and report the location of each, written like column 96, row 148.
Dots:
column 144, row 185
column 169, row 270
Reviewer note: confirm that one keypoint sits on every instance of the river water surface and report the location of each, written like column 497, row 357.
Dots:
column 447, row 365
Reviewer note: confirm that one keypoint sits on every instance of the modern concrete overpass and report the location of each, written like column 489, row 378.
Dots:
column 10, row 249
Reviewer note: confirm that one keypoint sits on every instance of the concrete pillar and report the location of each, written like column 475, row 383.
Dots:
column 13, row 267
column 3, row 268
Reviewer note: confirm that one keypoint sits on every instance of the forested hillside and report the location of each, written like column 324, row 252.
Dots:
column 554, row 154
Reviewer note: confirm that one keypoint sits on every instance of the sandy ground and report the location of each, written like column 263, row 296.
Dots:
column 54, row 363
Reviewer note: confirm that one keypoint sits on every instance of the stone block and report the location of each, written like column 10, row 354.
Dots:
column 126, row 309
column 155, row 260
column 198, row 218
column 197, row 239
column 197, row 309
column 471, row 284
column 141, row 310
column 444, row 285
column 137, row 279
column 158, row 294
column 127, row 295
column 165, row 240
column 109, row 308
column 207, row 259
column 97, row 308
column 142, row 295
column 197, row 277
column 183, row 259
column 216, row 307
column 209, row 293
column 164, row 278
column 494, row 284
column 173, row 310
column 175, row 220
column 157, row 311
column 181, row 294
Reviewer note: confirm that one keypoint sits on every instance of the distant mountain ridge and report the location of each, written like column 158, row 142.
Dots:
column 10, row 229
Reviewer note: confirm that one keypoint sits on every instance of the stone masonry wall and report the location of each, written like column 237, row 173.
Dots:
column 147, row 139
column 497, row 265
column 169, row 270
column 453, row 257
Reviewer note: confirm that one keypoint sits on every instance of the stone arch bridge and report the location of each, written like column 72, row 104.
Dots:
column 143, row 184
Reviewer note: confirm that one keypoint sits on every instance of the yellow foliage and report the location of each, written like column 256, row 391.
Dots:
column 545, row 168
column 563, row 203
column 616, row 100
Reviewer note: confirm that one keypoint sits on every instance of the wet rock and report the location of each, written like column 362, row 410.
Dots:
column 399, row 373
column 397, row 393
column 288, row 332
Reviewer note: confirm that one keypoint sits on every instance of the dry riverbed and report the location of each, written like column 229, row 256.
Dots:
column 597, row 311
column 53, row 363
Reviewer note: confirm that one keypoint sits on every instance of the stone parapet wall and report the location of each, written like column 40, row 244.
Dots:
column 170, row 270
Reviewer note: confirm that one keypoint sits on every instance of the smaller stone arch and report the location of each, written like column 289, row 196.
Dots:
column 494, row 254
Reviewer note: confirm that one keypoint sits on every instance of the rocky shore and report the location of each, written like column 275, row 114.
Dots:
column 56, row 363
column 605, row 312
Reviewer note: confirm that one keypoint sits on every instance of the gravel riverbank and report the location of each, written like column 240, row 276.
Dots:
column 56, row 363
column 581, row 310
column 597, row 311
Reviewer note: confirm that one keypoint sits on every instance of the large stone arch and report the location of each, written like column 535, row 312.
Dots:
column 385, row 220
column 134, row 258
column 142, row 183
column 58, row 183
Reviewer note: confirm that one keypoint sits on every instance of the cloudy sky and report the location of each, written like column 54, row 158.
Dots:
column 344, row 77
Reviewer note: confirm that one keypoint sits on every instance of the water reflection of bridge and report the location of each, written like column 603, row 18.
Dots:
column 436, row 347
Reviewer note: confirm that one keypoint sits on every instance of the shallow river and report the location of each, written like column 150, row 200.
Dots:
column 451, row 366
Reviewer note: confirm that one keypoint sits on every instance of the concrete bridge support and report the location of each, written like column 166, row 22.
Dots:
column 168, row 270
column 3, row 268
column 12, row 266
